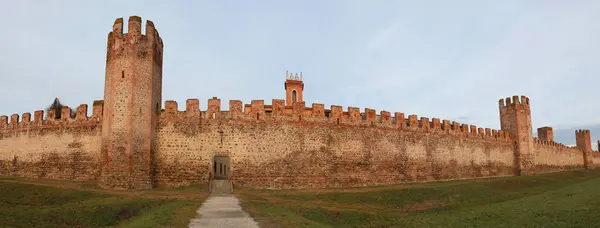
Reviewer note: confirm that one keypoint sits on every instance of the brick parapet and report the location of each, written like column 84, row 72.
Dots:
column 316, row 114
column 23, row 122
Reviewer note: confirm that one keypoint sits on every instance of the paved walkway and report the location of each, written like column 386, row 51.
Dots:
column 222, row 210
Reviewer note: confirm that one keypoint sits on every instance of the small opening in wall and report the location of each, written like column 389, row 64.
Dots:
column 300, row 117
column 220, row 168
column 157, row 108
column 214, row 115
column 338, row 121
column 225, row 170
column 215, row 167
column 123, row 74
column 294, row 96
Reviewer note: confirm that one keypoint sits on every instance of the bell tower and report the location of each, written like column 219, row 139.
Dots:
column 132, row 102
column 293, row 88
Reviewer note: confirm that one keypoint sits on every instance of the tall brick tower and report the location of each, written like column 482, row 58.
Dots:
column 515, row 117
column 293, row 88
column 132, row 102
column 584, row 143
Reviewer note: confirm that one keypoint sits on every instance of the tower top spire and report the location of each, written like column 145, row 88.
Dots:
column 292, row 76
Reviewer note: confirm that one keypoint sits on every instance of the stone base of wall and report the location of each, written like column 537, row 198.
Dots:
column 74, row 166
column 554, row 168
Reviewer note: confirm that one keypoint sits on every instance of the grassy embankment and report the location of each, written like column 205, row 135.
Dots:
column 28, row 202
column 566, row 199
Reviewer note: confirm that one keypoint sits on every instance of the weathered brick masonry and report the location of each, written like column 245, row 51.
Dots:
column 130, row 141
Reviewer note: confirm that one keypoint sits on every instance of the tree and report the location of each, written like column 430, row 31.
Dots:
column 57, row 107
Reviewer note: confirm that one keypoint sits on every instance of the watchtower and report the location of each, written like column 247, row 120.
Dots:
column 293, row 88
column 132, row 102
column 545, row 134
column 515, row 118
column 584, row 143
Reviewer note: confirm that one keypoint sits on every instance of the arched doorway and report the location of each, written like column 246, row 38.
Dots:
column 221, row 167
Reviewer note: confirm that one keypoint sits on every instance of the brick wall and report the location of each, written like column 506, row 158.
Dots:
column 265, row 155
column 596, row 158
column 303, row 149
column 55, row 153
column 276, row 150
column 553, row 157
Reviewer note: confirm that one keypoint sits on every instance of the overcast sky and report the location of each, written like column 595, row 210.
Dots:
column 447, row 59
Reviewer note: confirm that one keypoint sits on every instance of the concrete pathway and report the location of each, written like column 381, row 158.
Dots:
column 222, row 210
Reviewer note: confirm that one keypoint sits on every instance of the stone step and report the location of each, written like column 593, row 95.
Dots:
column 221, row 187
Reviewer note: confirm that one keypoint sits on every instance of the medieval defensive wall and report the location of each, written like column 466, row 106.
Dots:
column 134, row 140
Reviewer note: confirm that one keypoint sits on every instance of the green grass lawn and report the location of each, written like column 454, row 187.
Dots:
column 49, row 203
column 565, row 199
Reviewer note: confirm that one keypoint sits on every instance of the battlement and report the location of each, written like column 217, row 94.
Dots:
column 119, row 42
column 24, row 122
column 514, row 101
column 257, row 111
column 134, row 28
column 546, row 143
column 582, row 132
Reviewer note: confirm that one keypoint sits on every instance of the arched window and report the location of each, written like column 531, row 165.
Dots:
column 293, row 95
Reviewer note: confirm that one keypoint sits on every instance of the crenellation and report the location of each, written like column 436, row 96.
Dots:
column 65, row 114
column 257, row 111
column 495, row 133
column 400, row 121
column 14, row 121
column 488, row 132
column 170, row 108
column 235, row 109
column 3, row 122
column 386, row 119
column 151, row 32
column 214, row 109
column 464, row 128
column 97, row 110
column 456, row 128
column 473, row 130
column 515, row 99
column 424, row 124
column 25, row 120
column 436, row 125
column 318, row 110
column 81, row 113
column 371, row 115
column 192, row 107
column 354, row 115
column 278, row 107
column 480, row 132
column 134, row 25
column 299, row 108
column 413, row 123
column 446, row 127
column 337, row 114
column 118, row 27
column 38, row 117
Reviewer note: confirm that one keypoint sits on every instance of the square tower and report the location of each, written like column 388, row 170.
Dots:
column 132, row 103
column 583, row 141
column 545, row 134
column 515, row 118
